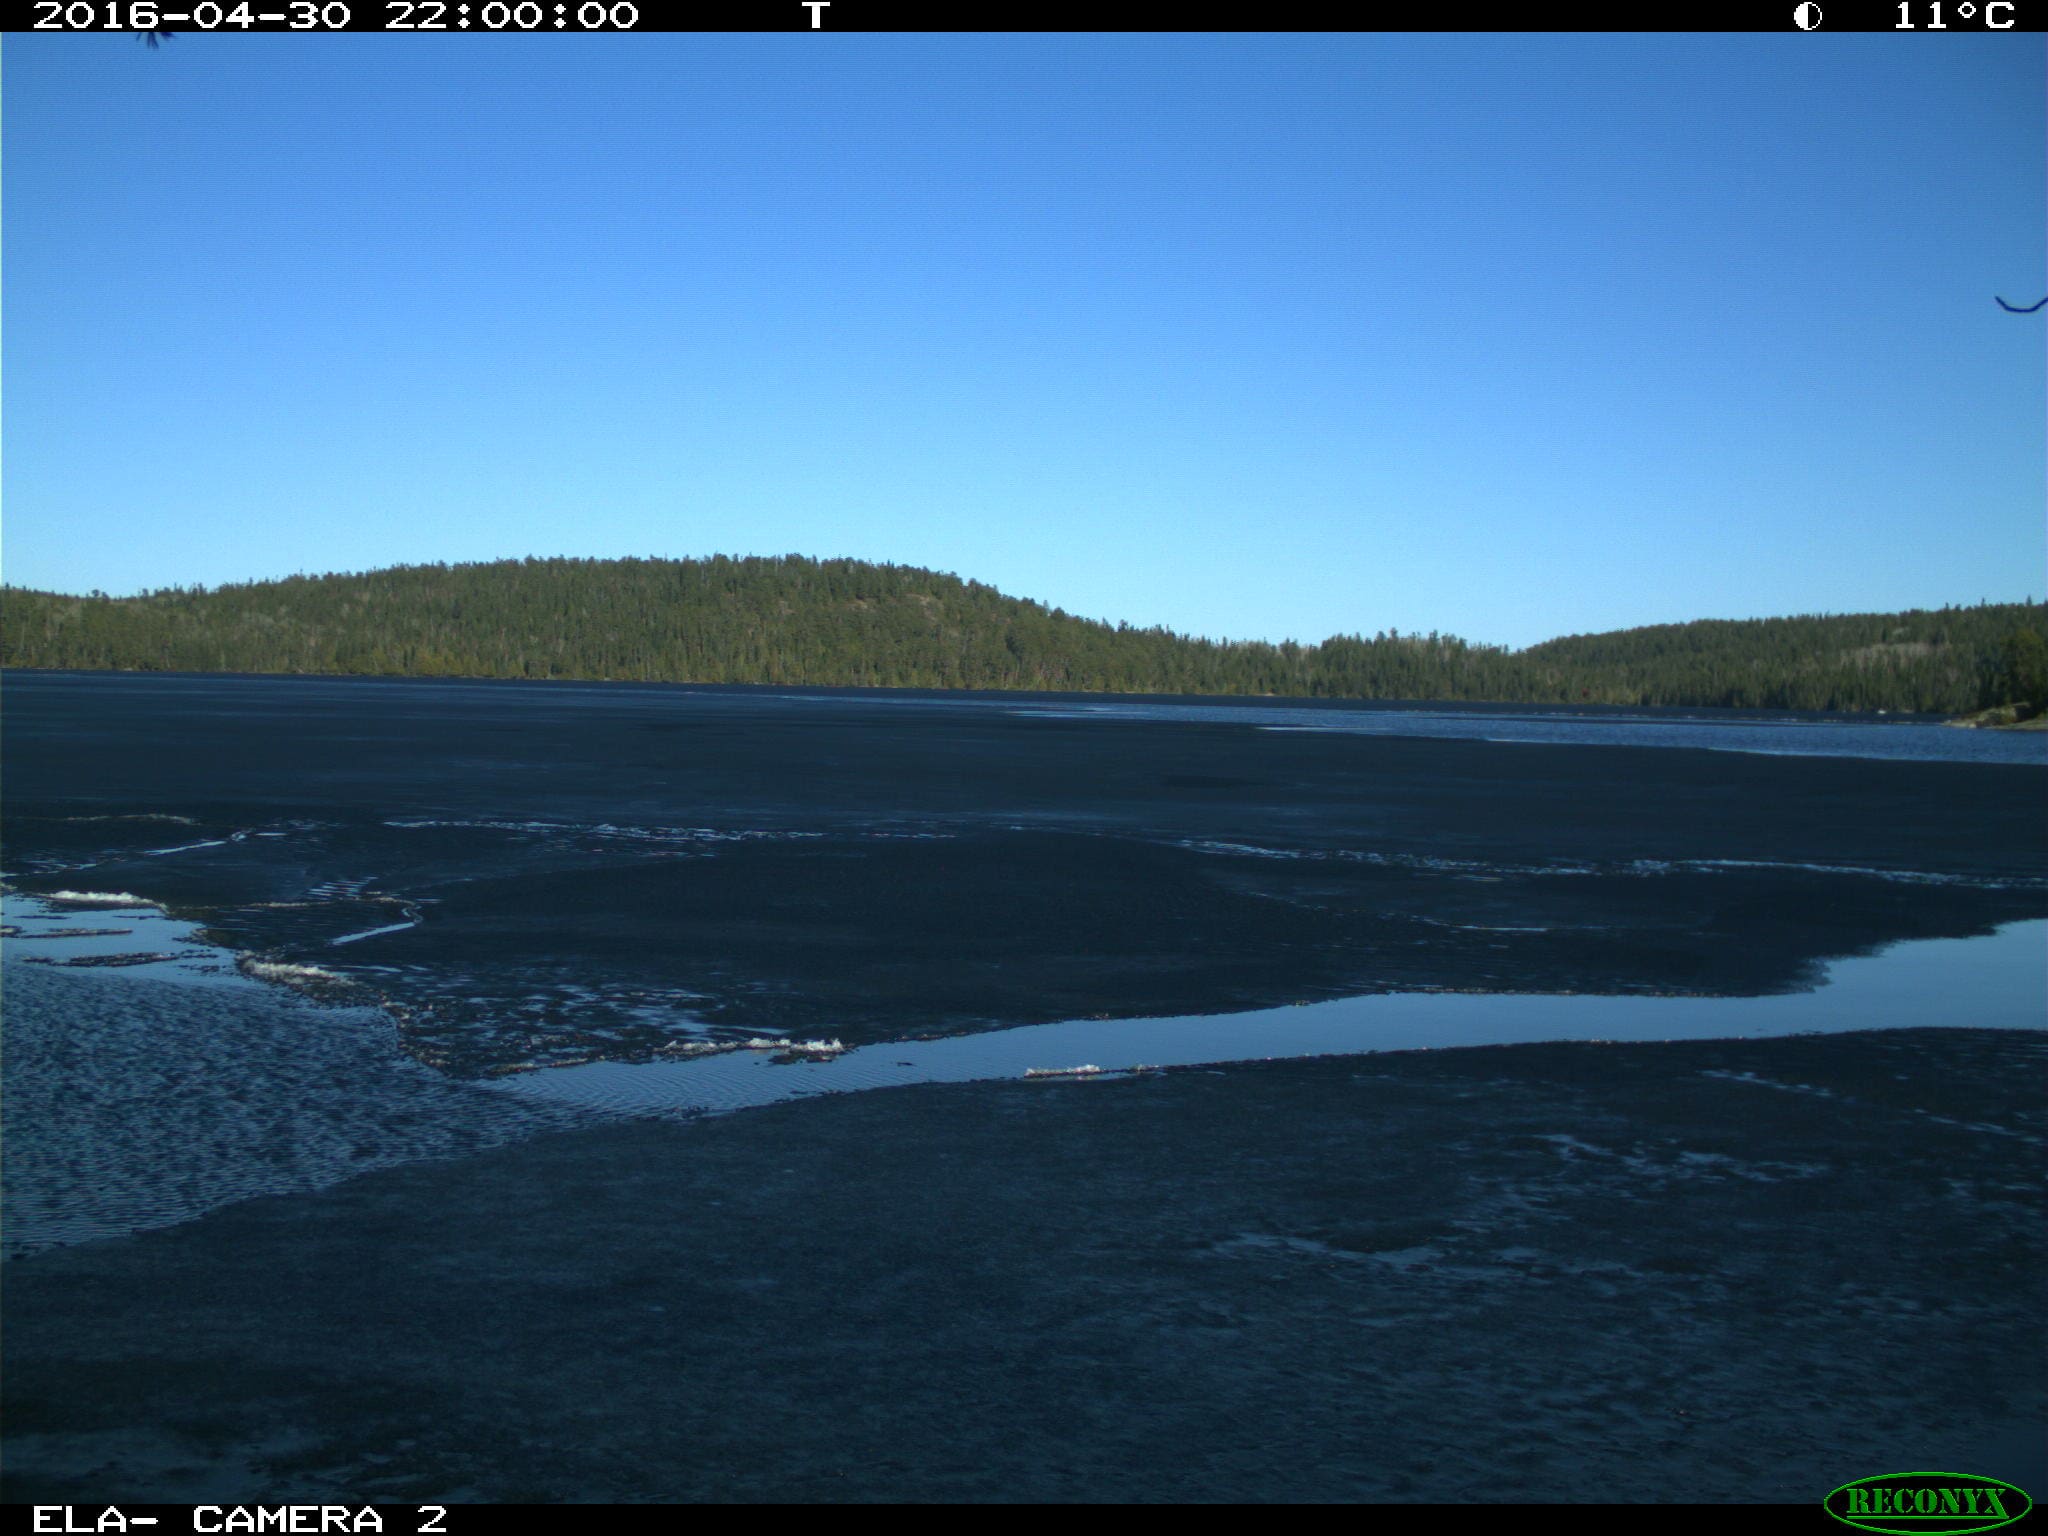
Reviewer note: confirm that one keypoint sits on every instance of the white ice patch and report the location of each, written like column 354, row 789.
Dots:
column 346, row 890
column 99, row 899
column 1437, row 922
column 371, row 933
column 138, row 816
column 610, row 831
column 284, row 971
column 1904, row 876
column 1376, row 859
column 818, row 1048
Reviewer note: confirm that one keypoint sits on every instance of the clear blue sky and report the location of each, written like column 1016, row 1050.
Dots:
column 1248, row 336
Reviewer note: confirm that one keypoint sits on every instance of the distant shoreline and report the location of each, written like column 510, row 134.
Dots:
column 2004, row 717
column 1588, row 709
column 794, row 621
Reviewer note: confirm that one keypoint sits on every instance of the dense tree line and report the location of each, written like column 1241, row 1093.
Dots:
column 850, row 623
column 1946, row 660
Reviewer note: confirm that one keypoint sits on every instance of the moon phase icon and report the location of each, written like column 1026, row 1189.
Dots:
column 1808, row 16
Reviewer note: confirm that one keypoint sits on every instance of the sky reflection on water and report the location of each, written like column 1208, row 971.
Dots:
column 1995, row 982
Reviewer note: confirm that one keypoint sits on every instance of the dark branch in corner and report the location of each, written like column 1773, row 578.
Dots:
column 2014, row 309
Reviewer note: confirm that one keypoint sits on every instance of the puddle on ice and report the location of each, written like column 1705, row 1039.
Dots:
column 1999, row 981
column 86, row 929
column 1996, row 982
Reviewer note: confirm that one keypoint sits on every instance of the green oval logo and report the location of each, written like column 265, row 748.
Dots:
column 1908, row 1503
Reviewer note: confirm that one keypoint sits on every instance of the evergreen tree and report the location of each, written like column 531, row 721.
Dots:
column 2023, row 670
column 850, row 623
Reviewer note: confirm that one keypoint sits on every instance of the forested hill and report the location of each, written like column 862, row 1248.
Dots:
column 849, row 623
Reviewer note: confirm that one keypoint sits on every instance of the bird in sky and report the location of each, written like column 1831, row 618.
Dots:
column 2014, row 309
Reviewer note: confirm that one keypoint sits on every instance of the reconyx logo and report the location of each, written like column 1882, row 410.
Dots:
column 1909, row 1503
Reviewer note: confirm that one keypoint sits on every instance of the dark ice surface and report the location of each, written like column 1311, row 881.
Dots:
column 128, row 1103
column 538, row 874
column 1710, row 1269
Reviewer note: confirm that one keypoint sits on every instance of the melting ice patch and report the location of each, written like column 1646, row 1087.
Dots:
column 99, row 899
column 688, row 1048
column 1902, row 876
column 133, row 816
column 612, row 832
column 1995, row 982
column 147, row 938
column 288, row 973
column 1642, row 867
column 605, row 829
column 1898, row 740
column 371, row 933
